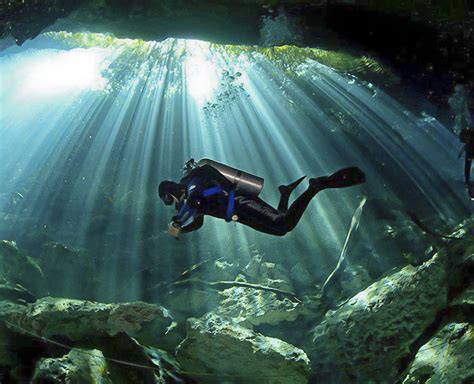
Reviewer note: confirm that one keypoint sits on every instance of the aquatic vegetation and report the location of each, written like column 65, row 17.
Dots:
column 289, row 58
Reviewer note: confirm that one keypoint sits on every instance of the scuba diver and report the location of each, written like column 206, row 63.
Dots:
column 214, row 189
column 467, row 138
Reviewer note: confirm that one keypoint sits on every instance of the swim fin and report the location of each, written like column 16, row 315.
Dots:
column 285, row 192
column 346, row 177
column 290, row 187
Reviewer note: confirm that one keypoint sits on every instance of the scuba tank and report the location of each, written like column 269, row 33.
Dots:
column 243, row 182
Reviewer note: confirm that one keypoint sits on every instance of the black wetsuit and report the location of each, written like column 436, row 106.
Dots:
column 250, row 210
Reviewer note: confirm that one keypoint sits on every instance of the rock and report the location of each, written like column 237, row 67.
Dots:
column 77, row 367
column 222, row 269
column 76, row 268
column 368, row 336
column 162, row 367
column 266, row 273
column 222, row 351
column 82, row 320
column 465, row 298
column 192, row 301
column 15, row 292
column 255, row 307
column 446, row 358
column 18, row 268
column 354, row 279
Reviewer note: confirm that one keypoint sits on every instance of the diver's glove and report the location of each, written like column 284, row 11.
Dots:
column 174, row 229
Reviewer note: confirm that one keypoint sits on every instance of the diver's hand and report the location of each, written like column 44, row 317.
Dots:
column 174, row 230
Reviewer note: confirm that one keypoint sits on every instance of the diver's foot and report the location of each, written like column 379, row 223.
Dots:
column 346, row 177
column 287, row 189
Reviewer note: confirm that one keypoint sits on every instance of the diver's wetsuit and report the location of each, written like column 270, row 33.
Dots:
column 250, row 210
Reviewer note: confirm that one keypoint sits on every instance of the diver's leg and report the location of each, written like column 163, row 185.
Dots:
column 257, row 214
column 341, row 179
column 285, row 192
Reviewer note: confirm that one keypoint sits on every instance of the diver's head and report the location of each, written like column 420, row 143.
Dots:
column 169, row 191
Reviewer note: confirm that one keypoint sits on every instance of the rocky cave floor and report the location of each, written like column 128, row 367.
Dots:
column 224, row 322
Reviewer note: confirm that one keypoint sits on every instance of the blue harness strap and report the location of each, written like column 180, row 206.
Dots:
column 230, row 206
column 186, row 210
column 212, row 191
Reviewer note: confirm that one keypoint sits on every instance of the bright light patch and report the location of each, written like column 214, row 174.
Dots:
column 202, row 76
column 56, row 73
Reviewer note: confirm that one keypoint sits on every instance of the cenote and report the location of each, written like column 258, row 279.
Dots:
column 109, row 275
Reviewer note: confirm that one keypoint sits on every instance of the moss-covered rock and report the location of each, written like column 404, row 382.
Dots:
column 368, row 337
column 216, row 350
column 266, row 273
column 77, row 367
column 15, row 292
column 446, row 358
column 255, row 307
column 81, row 320
column 19, row 268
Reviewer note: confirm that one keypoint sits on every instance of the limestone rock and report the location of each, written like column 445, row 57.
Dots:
column 80, row 320
column 223, row 270
column 446, row 358
column 14, row 292
column 368, row 336
column 77, row 367
column 192, row 301
column 266, row 273
column 465, row 298
column 253, row 306
column 19, row 268
column 222, row 351
column 354, row 279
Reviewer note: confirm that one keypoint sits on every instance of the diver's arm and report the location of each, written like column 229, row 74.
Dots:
column 194, row 225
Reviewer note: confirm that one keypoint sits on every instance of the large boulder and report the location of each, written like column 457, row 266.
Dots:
column 15, row 292
column 77, row 367
column 84, row 320
column 19, row 268
column 368, row 337
column 217, row 350
column 255, row 307
column 267, row 273
column 446, row 358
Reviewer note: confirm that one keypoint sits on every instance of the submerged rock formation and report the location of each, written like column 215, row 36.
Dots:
column 19, row 268
column 412, row 325
column 368, row 337
column 78, row 366
column 220, row 350
column 81, row 320
column 446, row 358
column 255, row 307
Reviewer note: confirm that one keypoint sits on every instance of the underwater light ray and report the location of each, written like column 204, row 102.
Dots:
column 368, row 120
column 151, row 123
column 414, row 162
column 263, row 120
